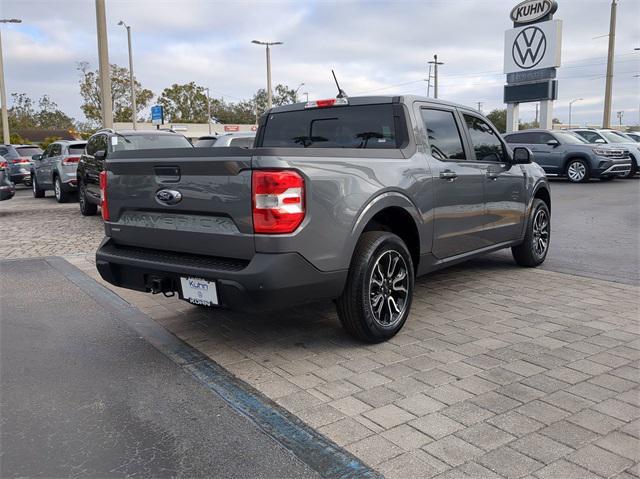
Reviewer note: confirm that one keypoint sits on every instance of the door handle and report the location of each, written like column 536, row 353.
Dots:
column 448, row 175
column 493, row 175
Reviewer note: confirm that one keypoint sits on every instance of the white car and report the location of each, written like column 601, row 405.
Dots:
column 613, row 137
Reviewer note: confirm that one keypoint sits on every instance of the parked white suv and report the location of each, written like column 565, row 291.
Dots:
column 613, row 137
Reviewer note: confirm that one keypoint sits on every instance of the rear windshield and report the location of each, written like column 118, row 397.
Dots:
column 77, row 149
column 148, row 142
column 28, row 151
column 205, row 142
column 367, row 126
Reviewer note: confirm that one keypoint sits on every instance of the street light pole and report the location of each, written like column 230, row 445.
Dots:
column 570, row 104
column 269, row 92
column 134, row 110
column 606, row 120
column 106, row 101
column 435, row 64
column 298, row 89
column 3, row 91
column 208, row 111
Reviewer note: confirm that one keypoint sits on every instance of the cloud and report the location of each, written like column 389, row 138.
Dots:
column 375, row 46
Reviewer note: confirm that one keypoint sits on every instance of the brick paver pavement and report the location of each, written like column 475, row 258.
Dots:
column 499, row 371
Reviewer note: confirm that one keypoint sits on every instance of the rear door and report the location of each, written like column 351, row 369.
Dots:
column 188, row 200
column 458, row 184
column 504, row 183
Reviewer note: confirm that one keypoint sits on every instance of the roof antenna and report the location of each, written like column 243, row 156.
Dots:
column 341, row 93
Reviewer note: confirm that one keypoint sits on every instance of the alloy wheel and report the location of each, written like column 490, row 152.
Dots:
column 57, row 188
column 389, row 288
column 576, row 171
column 540, row 232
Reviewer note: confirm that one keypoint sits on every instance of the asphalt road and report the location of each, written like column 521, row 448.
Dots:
column 595, row 230
column 84, row 395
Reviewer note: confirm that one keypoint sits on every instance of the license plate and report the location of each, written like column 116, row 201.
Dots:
column 199, row 291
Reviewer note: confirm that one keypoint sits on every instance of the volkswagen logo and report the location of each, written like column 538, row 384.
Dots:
column 168, row 197
column 529, row 47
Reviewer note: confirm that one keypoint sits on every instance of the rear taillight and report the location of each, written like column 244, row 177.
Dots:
column 3, row 165
column 70, row 160
column 278, row 201
column 22, row 161
column 104, row 205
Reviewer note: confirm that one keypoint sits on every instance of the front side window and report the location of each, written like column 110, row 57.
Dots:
column 443, row 135
column 590, row 136
column 365, row 126
column 570, row 138
column 56, row 149
column 484, row 140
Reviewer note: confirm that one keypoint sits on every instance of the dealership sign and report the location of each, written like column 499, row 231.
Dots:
column 531, row 11
column 533, row 47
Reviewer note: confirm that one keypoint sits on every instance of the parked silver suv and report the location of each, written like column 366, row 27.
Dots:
column 56, row 169
column 613, row 138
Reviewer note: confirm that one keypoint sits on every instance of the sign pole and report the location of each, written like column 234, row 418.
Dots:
column 513, row 113
column 546, row 114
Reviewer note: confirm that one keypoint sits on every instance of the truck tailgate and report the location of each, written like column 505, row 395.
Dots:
column 212, row 215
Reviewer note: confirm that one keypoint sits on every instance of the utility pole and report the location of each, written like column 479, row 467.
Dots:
column 606, row 119
column 480, row 106
column 3, row 91
column 269, row 92
column 537, row 106
column 428, row 80
column 620, row 114
column 208, row 111
column 104, row 70
column 134, row 110
column 435, row 63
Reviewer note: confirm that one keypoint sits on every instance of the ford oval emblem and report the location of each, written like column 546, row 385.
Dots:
column 168, row 197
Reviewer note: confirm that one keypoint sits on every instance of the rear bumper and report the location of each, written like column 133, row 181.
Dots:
column 267, row 282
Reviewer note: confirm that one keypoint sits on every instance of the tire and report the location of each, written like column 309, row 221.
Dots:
column 578, row 171
column 37, row 192
column 533, row 250
column 368, row 279
column 86, row 207
column 62, row 196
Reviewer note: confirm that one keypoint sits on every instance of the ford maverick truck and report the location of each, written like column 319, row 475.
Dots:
column 345, row 199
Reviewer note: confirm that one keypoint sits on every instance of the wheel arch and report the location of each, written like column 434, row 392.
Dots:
column 393, row 212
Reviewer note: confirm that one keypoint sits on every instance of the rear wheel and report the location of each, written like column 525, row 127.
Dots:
column 578, row 171
column 86, row 207
column 533, row 250
column 37, row 192
column 377, row 297
column 62, row 196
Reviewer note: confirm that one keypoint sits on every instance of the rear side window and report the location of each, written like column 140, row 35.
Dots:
column 484, row 140
column 366, row 126
column 76, row 149
column 445, row 142
column 521, row 138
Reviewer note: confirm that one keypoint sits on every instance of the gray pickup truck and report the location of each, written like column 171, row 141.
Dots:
column 347, row 199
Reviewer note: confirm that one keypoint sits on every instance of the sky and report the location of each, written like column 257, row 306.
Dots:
column 375, row 47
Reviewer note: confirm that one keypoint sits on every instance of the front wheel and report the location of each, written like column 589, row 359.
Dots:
column 377, row 297
column 533, row 250
column 633, row 170
column 578, row 171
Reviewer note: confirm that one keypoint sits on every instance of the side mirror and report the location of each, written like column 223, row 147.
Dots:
column 598, row 140
column 522, row 155
column 100, row 155
column 36, row 157
column 553, row 143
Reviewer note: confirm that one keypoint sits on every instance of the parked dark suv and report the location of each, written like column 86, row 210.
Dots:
column 102, row 144
column 562, row 153
column 345, row 199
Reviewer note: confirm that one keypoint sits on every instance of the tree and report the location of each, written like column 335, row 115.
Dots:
column 23, row 115
column 185, row 103
column 282, row 95
column 499, row 119
column 120, row 93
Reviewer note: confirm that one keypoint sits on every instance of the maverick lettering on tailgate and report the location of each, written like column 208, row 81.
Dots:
column 175, row 222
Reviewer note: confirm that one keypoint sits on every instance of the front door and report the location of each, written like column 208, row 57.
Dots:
column 504, row 183
column 458, row 184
